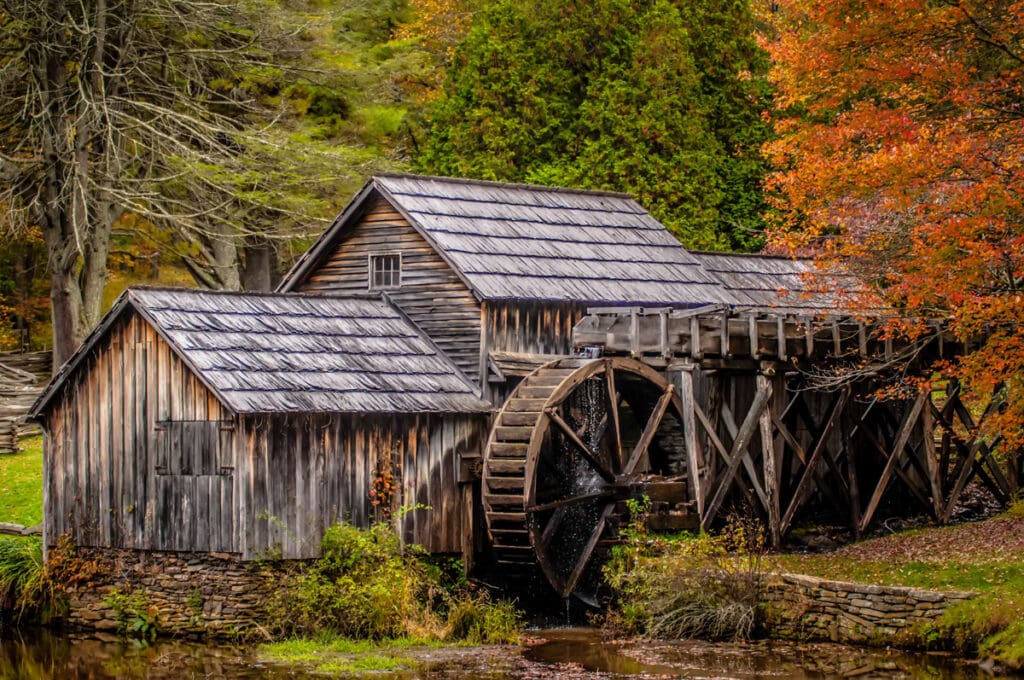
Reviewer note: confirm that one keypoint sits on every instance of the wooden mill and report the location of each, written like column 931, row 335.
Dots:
column 496, row 369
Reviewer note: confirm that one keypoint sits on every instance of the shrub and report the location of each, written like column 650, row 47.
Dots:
column 368, row 585
column 694, row 586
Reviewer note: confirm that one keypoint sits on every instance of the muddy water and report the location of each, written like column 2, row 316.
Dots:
column 569, row 654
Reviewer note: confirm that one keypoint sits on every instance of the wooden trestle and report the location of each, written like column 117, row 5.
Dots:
column 782, row 409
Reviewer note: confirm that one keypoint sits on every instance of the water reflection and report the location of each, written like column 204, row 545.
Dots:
column 576, row 654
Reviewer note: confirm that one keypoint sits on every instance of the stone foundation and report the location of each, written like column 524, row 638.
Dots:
column 812, row 608
column 197, row 594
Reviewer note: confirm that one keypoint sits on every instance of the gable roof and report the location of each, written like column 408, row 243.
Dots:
column 274, row 353
column 514, row 241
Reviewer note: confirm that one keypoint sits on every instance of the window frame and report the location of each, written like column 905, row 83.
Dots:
column 373, row 258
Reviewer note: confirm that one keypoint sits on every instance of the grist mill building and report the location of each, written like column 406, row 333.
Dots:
column 499, row 362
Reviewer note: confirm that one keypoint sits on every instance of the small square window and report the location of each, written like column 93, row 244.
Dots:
column 385, row 271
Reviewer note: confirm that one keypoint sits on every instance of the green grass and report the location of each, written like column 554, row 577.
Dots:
column 332, row 654
column 21, row 484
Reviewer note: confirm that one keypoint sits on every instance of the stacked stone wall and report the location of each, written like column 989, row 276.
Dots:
column 198, row 594
column 812, row 608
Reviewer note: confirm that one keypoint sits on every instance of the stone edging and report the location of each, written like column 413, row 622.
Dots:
column 814, row 608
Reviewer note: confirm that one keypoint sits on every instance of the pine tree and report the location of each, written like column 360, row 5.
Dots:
column 659, row 98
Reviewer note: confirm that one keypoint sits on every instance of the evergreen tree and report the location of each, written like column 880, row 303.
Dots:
column 660, row 98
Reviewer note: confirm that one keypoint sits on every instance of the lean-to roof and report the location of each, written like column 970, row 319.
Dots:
column 276, row 353
column 769, row 282
column 513, row 241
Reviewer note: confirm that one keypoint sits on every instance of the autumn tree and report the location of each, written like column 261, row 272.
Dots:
column 901, row 156
column 661, row 98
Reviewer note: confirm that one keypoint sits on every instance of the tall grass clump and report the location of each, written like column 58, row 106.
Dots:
column 368, row 585
column 688, row 586
column 24, row 587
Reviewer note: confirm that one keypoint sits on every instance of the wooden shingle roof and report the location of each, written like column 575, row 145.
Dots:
column 263, row 353
column 770, row 281
column 513, row 241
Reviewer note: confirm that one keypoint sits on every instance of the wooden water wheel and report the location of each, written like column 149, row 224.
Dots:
column 573, row 442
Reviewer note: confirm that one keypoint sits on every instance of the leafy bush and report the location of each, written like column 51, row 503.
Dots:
column 24, row 588
column 368, row 585
column 694, row 586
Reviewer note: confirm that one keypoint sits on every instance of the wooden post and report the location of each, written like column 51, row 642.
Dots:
column 769, row 460
column 931, row 458
column 695, row 457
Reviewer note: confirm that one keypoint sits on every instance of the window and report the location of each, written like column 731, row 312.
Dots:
column 385, row 271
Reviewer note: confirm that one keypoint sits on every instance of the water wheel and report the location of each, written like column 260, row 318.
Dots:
column 572, row 443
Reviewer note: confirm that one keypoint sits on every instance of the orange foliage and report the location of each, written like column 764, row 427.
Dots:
column 901, row 154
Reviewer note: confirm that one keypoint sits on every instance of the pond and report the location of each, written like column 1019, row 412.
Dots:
column 566, row 653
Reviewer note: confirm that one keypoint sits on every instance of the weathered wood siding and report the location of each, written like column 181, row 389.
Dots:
column 300, row 474
column 527, row 328
column 431, row 293
column 139, row 454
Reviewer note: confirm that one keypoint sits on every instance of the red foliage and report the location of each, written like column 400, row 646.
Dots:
column 901, row 154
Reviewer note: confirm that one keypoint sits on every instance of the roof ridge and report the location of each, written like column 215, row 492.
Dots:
column 767, row 256
column 369, row 295
column 505, row 185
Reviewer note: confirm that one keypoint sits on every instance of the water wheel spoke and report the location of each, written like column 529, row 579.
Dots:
column 541, row 507
column 588, row 551
column 613, row 417
column 650, row 429
column 589, row 455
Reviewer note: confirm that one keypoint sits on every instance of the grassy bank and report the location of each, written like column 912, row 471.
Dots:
column 21, row 484
column 985, row 557
column 327, row 653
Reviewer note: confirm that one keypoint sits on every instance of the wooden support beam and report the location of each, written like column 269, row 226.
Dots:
column 696, row 349
column 739, row 444
column 809, row 335
column 752, row 335
column 666, row 350
column 910, row 419
column 724, row 335
column 694, row 456
column 748, row 462
column 931, row 459
column 780, row 334
column 770, row 461
column 803, row 486
column 852, row 479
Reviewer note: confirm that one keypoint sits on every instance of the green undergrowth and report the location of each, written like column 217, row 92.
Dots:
column 22, row 579
column 686, row 585
column 21, row 484
column 369, row 595
column 991, row 625
column 328, row 653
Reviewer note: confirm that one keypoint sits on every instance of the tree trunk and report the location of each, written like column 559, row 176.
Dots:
column 260, row 269
column 65, row 311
